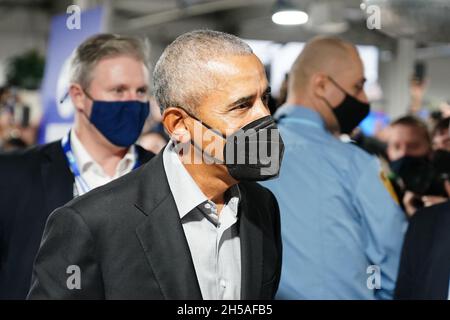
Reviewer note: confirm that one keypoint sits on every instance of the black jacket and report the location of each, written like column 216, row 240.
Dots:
column 128, row 241
column 33, row 183
column 425, row 263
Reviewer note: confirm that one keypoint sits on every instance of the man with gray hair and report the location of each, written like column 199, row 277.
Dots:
column 192, row 223
column 109, row 84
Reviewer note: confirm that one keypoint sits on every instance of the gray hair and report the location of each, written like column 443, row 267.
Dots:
column 101, row 46
column 180, row 78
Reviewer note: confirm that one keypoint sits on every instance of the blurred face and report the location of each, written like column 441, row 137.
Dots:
column 406, row 141
column 441, row 140
column 351, row 79
column 340, row 77
column 119, row 78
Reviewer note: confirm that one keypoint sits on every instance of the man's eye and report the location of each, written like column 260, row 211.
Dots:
column 118, row 90
column 265, row 99
column 142, row 91
column 243, row 106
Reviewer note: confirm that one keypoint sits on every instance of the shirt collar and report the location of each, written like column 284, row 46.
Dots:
column 84, row 160
column 299, row 112
column 185, row 191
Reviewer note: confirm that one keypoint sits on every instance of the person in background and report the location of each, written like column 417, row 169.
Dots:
column 17, row 129
column 283, row 92
column 109, row 84
column 441, row 135
column 154, row 137
column 152, row 141
column 408, row 137
column 409, row 149
column 339, row 223
column 13, row 144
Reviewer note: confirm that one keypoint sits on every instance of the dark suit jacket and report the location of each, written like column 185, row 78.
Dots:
column 33, row 183
column 128, row 241
column 425, row 263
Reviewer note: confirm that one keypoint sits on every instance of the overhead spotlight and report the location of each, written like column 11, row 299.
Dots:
column 327, row 18
column 285, row 13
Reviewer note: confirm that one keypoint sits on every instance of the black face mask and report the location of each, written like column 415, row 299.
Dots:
column 254, row 152
column 350, row 112
column 424, row 175
column 413, row 171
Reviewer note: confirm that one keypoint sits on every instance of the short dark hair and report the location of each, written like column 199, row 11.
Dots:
column 442, row 125
column 414, row 122
column 183, row 62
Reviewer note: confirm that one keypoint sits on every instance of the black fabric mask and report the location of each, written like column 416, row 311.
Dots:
column 350, row 112
column 413, row 171
column 252, row 153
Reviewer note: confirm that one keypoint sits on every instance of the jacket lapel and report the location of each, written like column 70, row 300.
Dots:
column 56, row 178
column 251, row 249
column 162, row 236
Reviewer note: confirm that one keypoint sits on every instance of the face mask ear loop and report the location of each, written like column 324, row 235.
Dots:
column 89, row 97
column 338, row 86
column 209, row 128
column 217, row 132
column 325, row 100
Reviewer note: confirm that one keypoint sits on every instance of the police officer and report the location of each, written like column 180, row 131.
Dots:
column 342, row 232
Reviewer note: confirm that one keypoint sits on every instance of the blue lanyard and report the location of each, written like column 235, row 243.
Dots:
column 67, row 148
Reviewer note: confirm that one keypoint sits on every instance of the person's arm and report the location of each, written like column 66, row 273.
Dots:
column 66, row 266
column 384, row 225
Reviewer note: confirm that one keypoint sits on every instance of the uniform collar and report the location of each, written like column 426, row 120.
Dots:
column 299, row 112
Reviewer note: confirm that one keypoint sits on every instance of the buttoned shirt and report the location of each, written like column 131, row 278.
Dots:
column 91, row 172
column 342, row 231
column 213, row 238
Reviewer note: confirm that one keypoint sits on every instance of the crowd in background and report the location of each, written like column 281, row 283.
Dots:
column 408, row 144
column 323, row 149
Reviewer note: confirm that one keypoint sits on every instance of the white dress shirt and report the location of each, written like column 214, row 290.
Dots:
column 91, row 172
column 213, row 239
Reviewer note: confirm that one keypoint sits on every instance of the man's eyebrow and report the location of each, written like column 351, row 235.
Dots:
column 242, row 101
column 247, row 99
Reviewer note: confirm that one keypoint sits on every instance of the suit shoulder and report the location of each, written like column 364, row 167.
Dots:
column 109, row 201
column 424, row 226
column 30, row 152
column 428, row 218
column 18, row 161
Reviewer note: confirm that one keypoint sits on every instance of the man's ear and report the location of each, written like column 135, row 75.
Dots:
column 78, row 97
column 174, row 120
column 319, row 82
